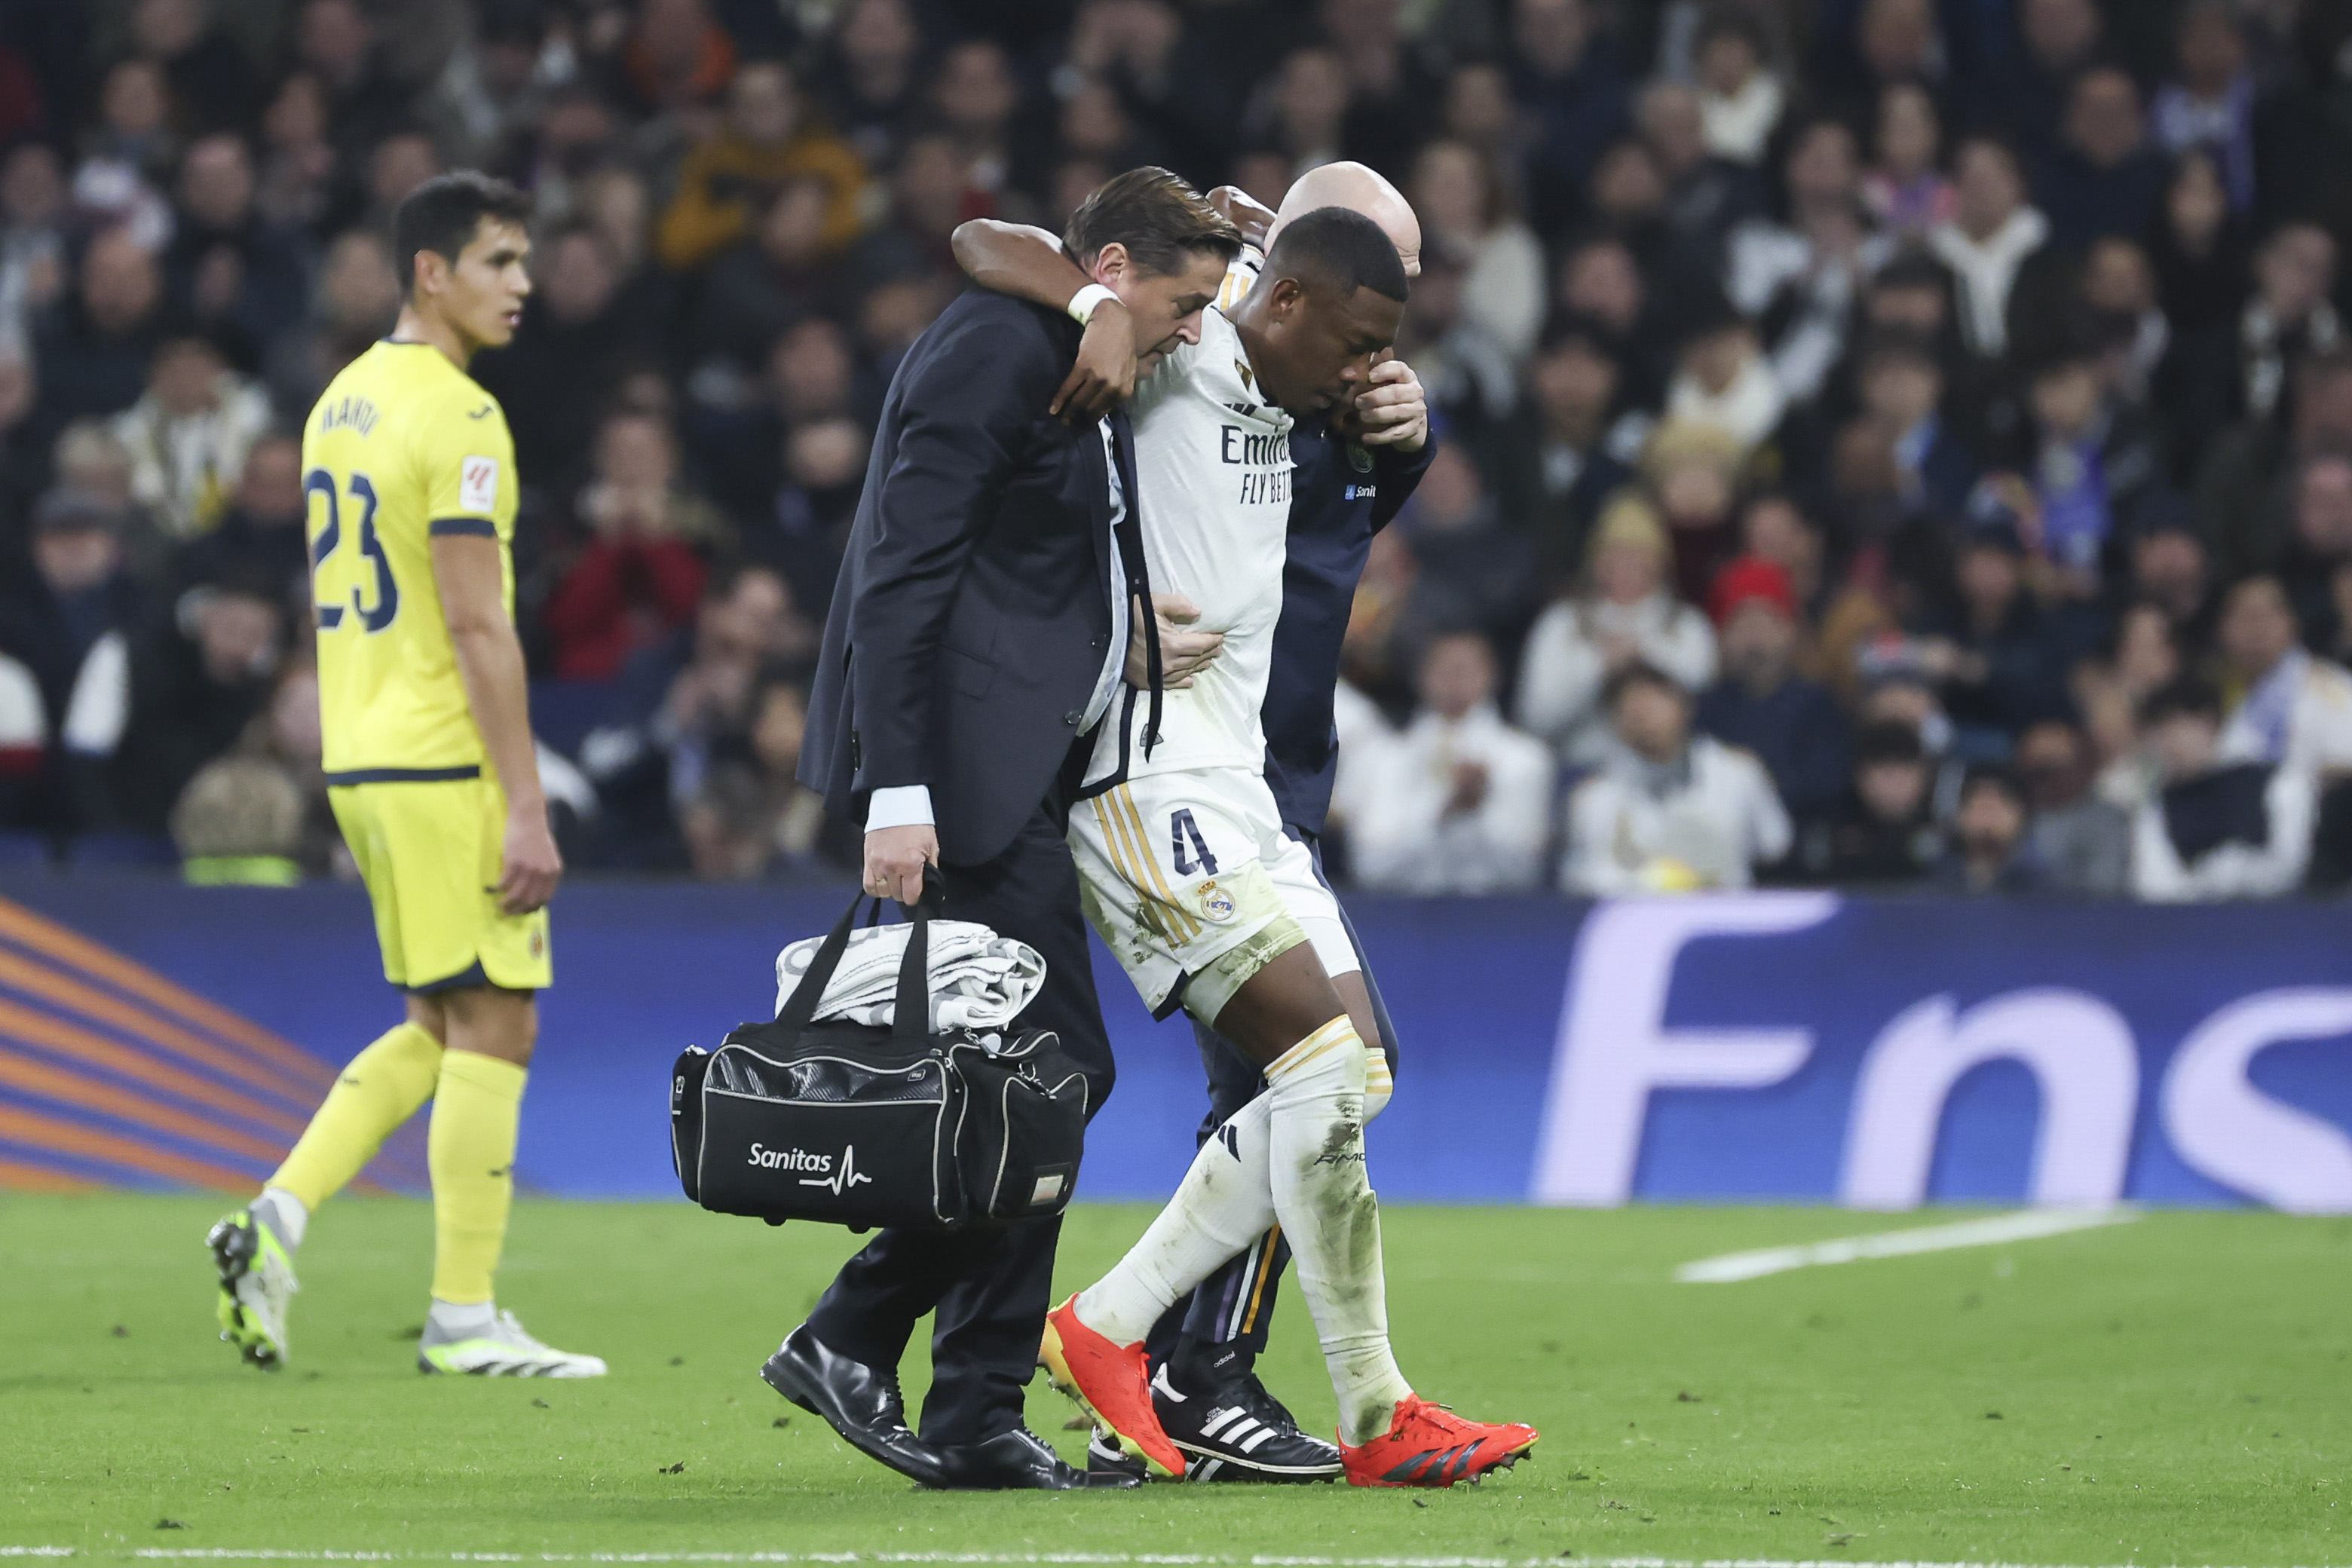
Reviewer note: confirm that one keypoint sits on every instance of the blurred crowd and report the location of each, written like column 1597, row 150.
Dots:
column 1882, row 442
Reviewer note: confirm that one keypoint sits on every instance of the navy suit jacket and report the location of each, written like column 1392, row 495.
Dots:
column 973, row 613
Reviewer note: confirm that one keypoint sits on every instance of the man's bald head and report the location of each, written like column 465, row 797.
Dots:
column 1361, row 190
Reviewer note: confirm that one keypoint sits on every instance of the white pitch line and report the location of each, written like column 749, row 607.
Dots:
column 2029, row 1226
column 275, row 1555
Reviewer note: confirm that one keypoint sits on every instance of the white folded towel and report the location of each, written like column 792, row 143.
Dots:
column 978, row 980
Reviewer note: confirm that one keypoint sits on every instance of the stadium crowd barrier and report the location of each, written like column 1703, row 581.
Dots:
column 1801, row 1047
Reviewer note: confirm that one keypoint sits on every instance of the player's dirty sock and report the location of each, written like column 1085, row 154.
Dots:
column 1225, row 1203
column 379, row 1089
column 1221, row 1205
column 1316, row 1160
column 471, row 1153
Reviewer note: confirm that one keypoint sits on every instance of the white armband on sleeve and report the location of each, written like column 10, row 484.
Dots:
column 900, row 806
column 1083, row 303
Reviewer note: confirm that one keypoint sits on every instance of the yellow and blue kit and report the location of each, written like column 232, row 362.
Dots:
column 404, row 446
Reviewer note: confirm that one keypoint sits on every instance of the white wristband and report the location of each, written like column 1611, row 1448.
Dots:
column 1082, row 303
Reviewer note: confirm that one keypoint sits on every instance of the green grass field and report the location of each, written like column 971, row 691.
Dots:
column 2172, row 1391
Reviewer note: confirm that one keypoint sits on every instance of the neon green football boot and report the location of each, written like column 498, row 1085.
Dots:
column 256, row 1284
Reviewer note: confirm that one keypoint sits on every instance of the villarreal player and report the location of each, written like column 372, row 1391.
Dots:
column 409, row 473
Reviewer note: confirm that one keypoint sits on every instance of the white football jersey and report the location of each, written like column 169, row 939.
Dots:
column 1212, row 466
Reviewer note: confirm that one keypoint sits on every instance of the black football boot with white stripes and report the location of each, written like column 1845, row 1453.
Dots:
column 1229, row 1427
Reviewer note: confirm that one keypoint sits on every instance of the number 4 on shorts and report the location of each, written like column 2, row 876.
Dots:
column 1180, row 827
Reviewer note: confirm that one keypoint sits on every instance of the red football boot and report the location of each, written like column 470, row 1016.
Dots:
column 1428, row 1446
column 1111, row 1383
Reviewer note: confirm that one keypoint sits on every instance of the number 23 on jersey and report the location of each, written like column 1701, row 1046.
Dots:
column 373, row 599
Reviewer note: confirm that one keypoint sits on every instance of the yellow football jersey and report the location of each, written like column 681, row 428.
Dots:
column 402, row 446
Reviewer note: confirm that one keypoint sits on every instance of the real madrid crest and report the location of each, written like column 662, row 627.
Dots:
column 1360, row 457
column 1216, row 903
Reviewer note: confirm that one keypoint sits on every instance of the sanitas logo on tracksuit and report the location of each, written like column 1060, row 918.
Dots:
column 848, row 1176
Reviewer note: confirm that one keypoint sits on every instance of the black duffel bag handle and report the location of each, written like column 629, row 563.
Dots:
column 911, row 1022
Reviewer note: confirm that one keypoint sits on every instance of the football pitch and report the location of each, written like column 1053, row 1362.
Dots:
column 2174, row 1390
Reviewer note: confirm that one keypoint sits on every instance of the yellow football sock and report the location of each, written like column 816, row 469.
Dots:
column 381, row 1089
column 472, row 1152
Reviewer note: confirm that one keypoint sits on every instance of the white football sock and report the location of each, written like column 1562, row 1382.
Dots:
column 1224, row 1204
column 1324, row 1198
column 283, row 1212
column 453, row 1320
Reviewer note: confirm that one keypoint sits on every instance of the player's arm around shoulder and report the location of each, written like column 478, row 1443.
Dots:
column 1028, row 263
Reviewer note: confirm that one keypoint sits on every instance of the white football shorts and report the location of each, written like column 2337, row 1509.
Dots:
column 1194, row 887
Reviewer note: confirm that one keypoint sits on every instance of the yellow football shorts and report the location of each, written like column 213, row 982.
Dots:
column 431, row 852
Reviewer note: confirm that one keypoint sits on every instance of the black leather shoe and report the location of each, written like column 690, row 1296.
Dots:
column 860, row 1401
column 1019, row 1460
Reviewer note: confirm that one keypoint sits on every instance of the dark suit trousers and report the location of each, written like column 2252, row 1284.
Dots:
column 990, row 1285
column 1234, row 1305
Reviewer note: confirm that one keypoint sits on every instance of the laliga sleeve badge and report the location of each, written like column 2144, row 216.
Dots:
column 1216, row 903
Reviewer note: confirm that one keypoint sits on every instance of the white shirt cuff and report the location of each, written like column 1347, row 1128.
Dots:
column 900, row 806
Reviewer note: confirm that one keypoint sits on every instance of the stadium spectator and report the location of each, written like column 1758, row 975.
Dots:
column 189, row 433
column 1797, row 280
column 1740, row 97
column 1459, row 801
column 1994, row 243
column 2210, row 105
column 263, row 535
column 2240, row 489
column 1886, row 835
column 298, row 165
column 1568, row 77
column 1459, row 195
column 194, row 690
column 2082, row 842
column 1993, row 851
column 2291, row 709
column 2094, row 460
column 2291, row 314
column 209, row 78
column 1906, row 189
column 2103, row 178
column 769, row 139
column 1624, row 614
column 1761, row 704
column 94, row 345
column 70, row 622
column 1903, row 388
column 869, row 81
column 2317, row 566
column 639, row 574
column 1553, row 460
column 751, row 819
column 355, row 301
column 336, row 44
column 1470, row 568
column 33, row 266
column 227, row 266
column 2061, row 38
column 2002, row 666
column 784, row 273
column 1668, row 812
column 2215, row 828
column 2142, row 656
column 568, row 356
